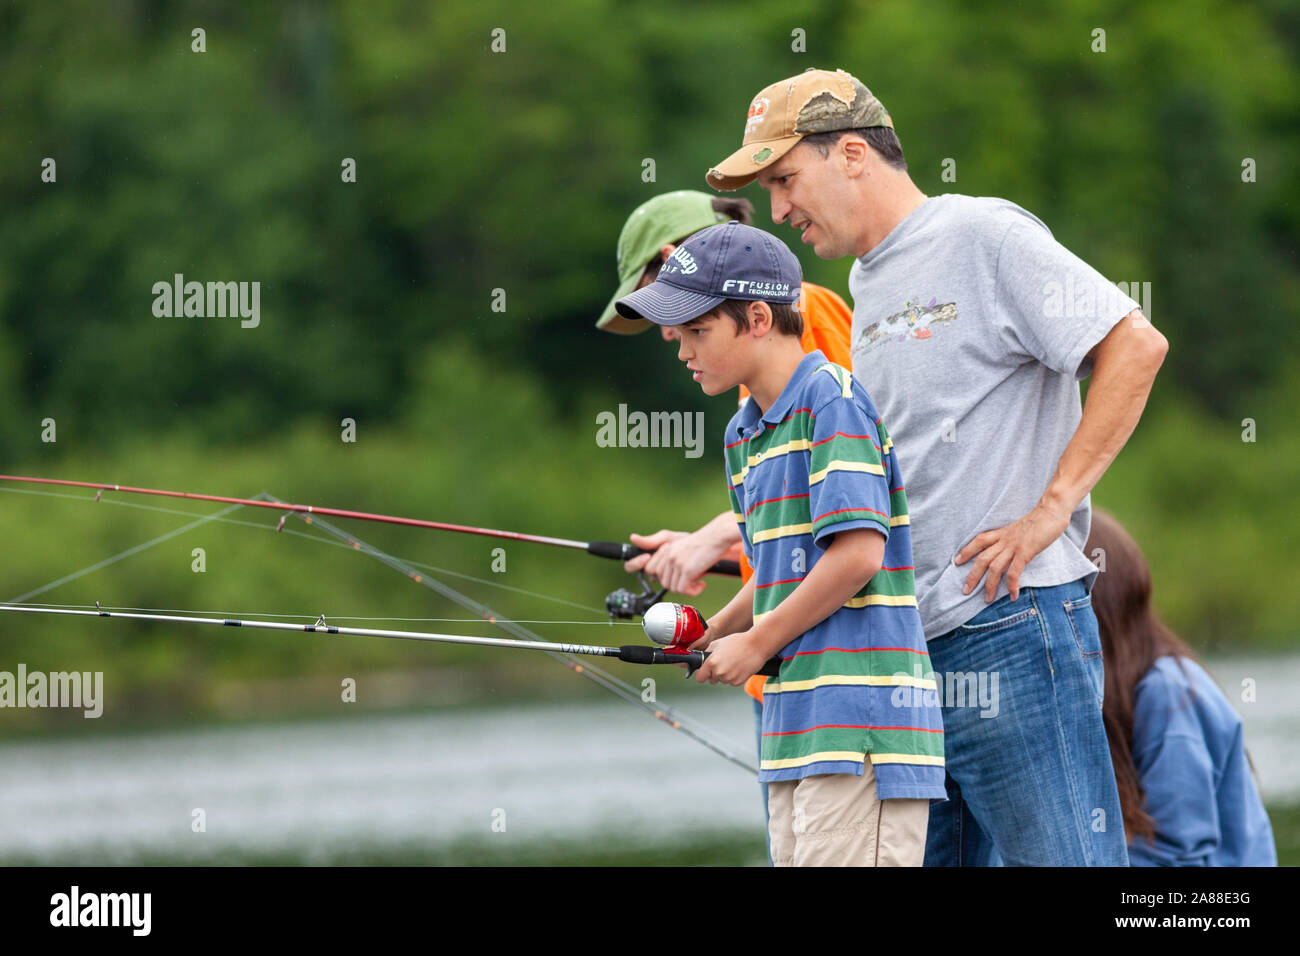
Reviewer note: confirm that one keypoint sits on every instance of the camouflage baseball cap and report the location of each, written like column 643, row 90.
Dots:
column 815, row 101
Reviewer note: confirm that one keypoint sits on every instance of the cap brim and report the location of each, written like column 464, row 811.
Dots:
column 740, row 169
column 611, row 321
column 665, row 304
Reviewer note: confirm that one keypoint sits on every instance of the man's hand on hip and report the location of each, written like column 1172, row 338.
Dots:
column 1009, row 549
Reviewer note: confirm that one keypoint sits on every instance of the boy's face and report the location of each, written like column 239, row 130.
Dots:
column 714, row 352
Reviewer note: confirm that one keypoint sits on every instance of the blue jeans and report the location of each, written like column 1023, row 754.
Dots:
column 758, row 719
column 1029, row 775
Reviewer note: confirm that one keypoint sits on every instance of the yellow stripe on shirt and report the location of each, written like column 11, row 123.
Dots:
column 855, row 755
column 776, row 451
column 784, row 531
column 924, row 760
column 841, row 376
column 891, row 600
column 777, row 686
column 886, row 600
column 837, row 465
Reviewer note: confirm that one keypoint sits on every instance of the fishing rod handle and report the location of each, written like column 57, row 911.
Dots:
column 640, row 654
column 622, row 551
column 771, row 668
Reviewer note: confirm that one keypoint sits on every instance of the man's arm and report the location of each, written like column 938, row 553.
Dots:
column 680, row 559
column 1125, row 363
column 851, row 560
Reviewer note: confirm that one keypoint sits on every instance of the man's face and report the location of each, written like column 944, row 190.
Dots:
column 812, row 194
column 713, row 352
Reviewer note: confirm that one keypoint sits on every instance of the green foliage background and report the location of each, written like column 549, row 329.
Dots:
column 481, row 170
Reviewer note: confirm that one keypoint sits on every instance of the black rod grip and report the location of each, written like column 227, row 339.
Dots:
column 636, row 654
column 620, row 551
column 613, row 550
column 640, row 654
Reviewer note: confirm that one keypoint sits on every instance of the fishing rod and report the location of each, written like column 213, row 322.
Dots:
column 631, row 653
column 661, row 711
column 621, row 603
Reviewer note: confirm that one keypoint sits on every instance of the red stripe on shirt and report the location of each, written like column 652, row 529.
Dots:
column 844, row 435
column 770, row 584
column 840, row 511
column 787, row 733
column 857, row 650
column 770, row 500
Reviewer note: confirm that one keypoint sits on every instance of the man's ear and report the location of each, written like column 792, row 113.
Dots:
column 666, row 250
column 760, row 317
column 856, row 154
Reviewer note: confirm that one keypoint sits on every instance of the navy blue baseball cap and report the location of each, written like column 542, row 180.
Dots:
column 727, row 261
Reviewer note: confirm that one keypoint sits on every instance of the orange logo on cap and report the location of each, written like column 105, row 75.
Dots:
column 757, row 110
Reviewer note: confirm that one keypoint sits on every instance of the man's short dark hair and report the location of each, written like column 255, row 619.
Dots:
column 880, row 138
column 786, row 317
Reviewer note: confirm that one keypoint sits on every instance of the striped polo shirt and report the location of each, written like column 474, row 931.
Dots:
column 859, row 682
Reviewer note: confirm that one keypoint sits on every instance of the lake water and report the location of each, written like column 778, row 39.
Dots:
column 582, row 774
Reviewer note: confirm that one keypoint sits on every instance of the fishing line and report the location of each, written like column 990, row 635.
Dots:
column 665, row 714
column 669, row 715
column 124, row 554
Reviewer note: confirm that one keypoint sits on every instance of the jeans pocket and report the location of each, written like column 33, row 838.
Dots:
column 977, row 626
column 1083, row 625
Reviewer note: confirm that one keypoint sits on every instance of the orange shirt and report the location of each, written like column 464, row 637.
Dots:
column 827, row 321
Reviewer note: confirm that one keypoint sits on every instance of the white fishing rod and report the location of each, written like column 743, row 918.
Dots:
column 631, row 653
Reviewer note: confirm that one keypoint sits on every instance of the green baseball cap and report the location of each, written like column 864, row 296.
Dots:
column 667, row 218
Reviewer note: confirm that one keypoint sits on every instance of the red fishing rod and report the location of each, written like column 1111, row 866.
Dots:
column 622, row 603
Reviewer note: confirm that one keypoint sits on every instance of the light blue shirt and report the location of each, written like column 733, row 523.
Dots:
column 1191, row 759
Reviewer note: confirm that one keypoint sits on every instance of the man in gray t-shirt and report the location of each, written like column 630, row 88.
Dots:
column 953, row 298
column 971, row 329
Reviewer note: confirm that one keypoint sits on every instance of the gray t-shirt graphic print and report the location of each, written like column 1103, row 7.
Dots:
column 970, row 327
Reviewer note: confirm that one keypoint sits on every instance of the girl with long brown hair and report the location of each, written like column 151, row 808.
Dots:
column 1185, row 783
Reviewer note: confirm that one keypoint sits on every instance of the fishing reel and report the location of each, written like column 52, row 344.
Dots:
column 675, row 627
column 624, row 604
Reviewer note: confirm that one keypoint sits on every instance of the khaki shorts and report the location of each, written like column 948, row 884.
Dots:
column 835, row 820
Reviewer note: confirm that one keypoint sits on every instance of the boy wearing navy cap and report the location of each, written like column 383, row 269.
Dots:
column 852, row 729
